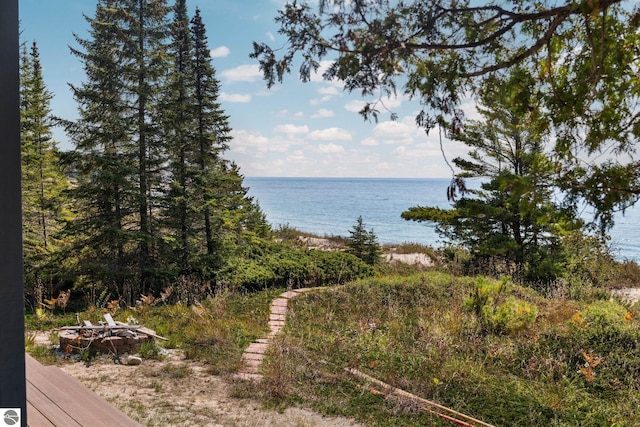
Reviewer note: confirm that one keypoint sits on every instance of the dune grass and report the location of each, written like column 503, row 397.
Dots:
column 491, row 349
column 573, row 363
column 215, row 330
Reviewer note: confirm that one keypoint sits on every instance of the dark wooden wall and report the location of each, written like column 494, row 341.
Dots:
column 12, row 356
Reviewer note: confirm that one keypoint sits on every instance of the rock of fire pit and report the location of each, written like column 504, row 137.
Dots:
column 112, row 338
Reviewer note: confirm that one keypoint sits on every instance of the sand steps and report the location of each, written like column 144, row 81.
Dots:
column 254, row 354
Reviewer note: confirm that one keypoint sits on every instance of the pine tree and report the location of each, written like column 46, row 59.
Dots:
column 103, row 159
column 196, row 135
column 118, row 154
column 364, row 244
column 178, row 121
column 512, row 224
column 221, row 200
column 212, row 133
column 43, row 179
column 144, row 30
column 156, row 196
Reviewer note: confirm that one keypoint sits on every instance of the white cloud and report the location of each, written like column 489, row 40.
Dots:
column 470, row 110
column 317, row 76
column 369, row 142
column 245, row 142
column 284, row 114
column 392, row 101
column 290, row 129
column 271, row 37
column 370, row 157
column 243, row 73
column 400, row 151
column 252, row 144
column 330, row 148
column 381, row 105
column 330, row 134
column 220, row 52
column 329, row 91
column 235, row 97
column 323, row 113
column 355, row 106
column 265, row 92
column 317, row 101
column 259, row 168
column 296, row 156
column 395, row 132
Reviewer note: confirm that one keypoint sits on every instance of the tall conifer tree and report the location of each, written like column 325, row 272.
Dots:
column 118, row 153
column 144, row 31
column 515, row 217
column 43, row 179
column 103, row 158
column 212, row 138
column 157, row 198
column 178, row 120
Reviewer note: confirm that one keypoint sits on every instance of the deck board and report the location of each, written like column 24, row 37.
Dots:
column 56, row 399
column 37, row 418
column 46, row 408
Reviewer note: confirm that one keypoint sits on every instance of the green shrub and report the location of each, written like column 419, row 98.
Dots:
column 150, row 350
column 604, row 314
column 495, row 315
column 597, row 350
column 419, row 333
column 364, row 244
column 588, row 259
column 274, row 265
column 512, row 316
column 483, row 294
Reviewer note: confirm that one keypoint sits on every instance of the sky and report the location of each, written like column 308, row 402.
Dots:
column 294, row 129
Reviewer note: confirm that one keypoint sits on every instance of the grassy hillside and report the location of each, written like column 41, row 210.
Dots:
column 502, row 354
column 565, row 355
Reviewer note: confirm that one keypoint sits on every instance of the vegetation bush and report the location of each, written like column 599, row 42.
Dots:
column 513, row 315
column 272, row 265
column 588, row 259
column 288, row 234
column 216, row 329
column 420, row 333
column 412, row 247
column 364, row 244
column 496, row 313
column 626, row 274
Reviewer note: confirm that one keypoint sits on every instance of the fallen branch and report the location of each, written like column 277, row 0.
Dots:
column 98, row 327
column 105, row 328
column 390, row 390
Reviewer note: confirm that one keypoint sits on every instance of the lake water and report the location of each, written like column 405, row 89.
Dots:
column 331, row 206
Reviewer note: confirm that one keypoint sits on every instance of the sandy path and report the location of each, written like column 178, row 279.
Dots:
column 631, row 294
column 155, row 395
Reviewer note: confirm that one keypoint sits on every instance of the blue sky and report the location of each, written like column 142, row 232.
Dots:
column 294, row 129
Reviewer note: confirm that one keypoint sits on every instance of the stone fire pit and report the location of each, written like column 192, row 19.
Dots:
column 110, row 337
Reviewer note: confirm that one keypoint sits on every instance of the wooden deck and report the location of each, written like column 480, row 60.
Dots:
column 56, row 399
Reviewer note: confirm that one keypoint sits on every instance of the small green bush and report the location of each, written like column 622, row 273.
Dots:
column 512, row 316
column 604, row 314
column 150, row 350
column 495, row 315
column 278, row 265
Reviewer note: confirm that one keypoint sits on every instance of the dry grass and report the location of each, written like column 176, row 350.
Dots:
column 416, row 334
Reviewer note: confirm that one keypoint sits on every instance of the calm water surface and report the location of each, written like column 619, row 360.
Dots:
column 331, row 206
